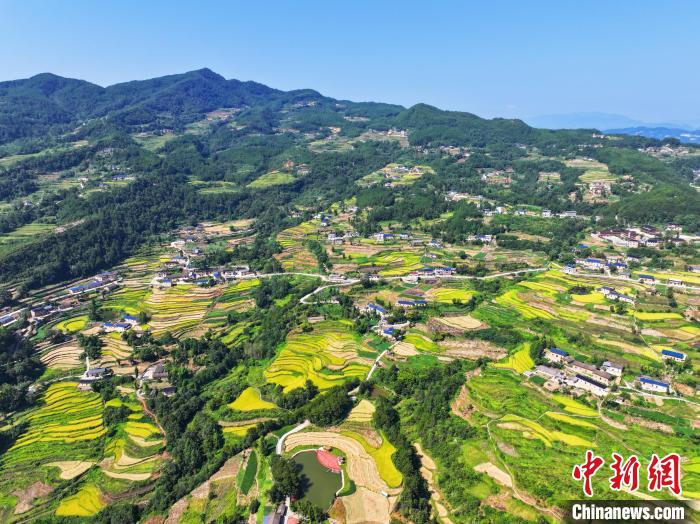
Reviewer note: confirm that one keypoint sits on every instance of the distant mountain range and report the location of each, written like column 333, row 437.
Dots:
column 687, row 132
column 684, row 135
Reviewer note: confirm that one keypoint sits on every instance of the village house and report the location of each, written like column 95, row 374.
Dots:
column 672, row 282
column 383, row 237
column 612, row 368
column 374, row 309
column 131, row 319
column 549, row 373
column 675, row 228
column 589, row 384
column 118, row 327
column 569, row 269
column 41, row 312
column 652, row 384
column 676, row 356
column 695, row 268
column 444, row 271
column 591, row 263
column 591, row 371
column 546, row 213
column 647, row 279
column 556, row 355
column 155, row 372
column 567, row 214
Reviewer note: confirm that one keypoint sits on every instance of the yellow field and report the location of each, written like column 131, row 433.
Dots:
column 519, row 361
column 249, row 400
column 533, row 430
column 238, row 431
column 420, row 342
column 327, row 356
column 447, row 295
column 362, row 413
column 512, row 299
column 590, row 298
column 382, row 457
column 141, row 429
column 574, row 407
column 67, row 416
column 569, row 420
column 643, row 315
column 85, row 503
column 73, row 324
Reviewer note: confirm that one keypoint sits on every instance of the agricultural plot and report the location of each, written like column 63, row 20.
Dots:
column 66, row 427
column 366, row 504
column 396, row 263
column 295, row 256
column 594, row 171
column 61, row 356
column 327, row 356
column 72, row 325
column 273, row 178
column 395, row 175
column 86, row 502
column 180, row 309
column 535, row 429
column 519, row 361
column 250, row 400
column 448, row 295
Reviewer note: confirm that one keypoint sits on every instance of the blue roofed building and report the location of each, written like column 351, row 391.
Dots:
column 677, row 356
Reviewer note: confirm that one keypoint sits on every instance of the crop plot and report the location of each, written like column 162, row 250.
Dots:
column 327, row 356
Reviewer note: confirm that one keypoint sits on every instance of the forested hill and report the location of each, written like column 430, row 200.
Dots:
column 88, row 174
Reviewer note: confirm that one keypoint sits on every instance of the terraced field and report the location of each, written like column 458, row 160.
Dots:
column 180, row 309
column 295, row 256
column 67, row 426
column 327, row 356
column 249, row 400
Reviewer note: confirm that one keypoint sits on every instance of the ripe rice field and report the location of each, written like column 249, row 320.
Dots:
column 533, row 430
column 66, row 427
column 86, row 502
column 238, row 431
column 295, row 255
column 590, row 298
column 569, row 420
column 511, row 298
column 130, row 300
column 362, row 412
column 72, row 325
column 420, row 341
column 327, row 356
column 250, row 400
column 180, row 309
column 519, row 361
column 446, row 295
column 382, row 458
column 574, row 407
column 649, row 316
column 395, row 263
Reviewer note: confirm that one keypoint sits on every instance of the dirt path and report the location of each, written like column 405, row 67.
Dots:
column 427, row 469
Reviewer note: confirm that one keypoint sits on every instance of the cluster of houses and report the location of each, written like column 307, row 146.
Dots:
column 609, row 266
column 615, row 296
column 156, row 378
column 103, row 280
column 383, row 329
column 578, row 375
column 125, row 324
column 644, row 236
column 590, row 378
column 200, row 276
column 336, row 239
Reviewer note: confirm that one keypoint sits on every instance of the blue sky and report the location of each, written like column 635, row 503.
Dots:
column 496, row 58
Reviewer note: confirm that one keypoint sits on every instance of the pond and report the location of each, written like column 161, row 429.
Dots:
column 321, row 484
